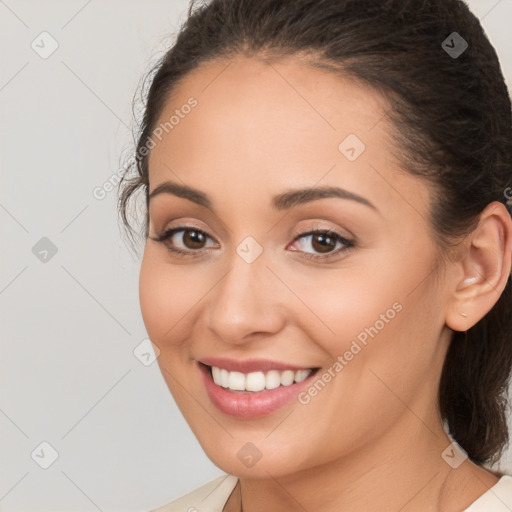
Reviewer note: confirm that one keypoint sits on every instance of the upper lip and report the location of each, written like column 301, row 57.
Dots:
column 250, row 365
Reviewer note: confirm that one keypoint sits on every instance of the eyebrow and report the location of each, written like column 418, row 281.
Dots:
column 283, row 201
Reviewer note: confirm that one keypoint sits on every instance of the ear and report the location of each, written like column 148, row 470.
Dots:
column 484, row 269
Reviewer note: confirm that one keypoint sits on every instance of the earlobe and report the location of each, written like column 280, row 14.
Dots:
column 485, row 269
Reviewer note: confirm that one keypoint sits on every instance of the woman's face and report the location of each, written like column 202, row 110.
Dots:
column 261, row 298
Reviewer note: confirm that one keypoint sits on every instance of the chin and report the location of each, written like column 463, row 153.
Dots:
column 244, row 460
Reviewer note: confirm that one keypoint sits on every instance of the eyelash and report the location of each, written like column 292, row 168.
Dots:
column 163, row 237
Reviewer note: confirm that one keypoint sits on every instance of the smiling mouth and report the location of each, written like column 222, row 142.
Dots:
column 257, row 381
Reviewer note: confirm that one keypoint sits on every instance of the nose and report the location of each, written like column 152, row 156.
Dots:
column 247, row 301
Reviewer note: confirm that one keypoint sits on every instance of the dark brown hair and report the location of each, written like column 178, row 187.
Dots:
column 451, row 119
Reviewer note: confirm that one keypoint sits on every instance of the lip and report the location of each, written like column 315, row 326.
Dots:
column 250, row 365
column 248, row 404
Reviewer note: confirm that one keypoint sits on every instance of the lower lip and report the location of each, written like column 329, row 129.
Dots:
column 248, row 405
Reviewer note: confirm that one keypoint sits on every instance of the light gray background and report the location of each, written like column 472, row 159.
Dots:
column 69, row 325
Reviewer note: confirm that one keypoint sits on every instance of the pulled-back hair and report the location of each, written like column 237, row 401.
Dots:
column 451, row 119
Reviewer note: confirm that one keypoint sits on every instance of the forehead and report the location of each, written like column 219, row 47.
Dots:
column 240, row 98
column 264, row 126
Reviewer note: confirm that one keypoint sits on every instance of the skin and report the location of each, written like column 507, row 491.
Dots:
column 373, row 435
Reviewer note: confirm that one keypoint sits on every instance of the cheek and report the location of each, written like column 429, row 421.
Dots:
column 336, row 306
column 383, row 316
column 166, row 297
column 385, row 340
column 154, row 298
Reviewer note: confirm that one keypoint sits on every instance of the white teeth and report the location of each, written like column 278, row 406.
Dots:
column 216, row 374
column 224, row 378
column 300, row 375
column 287, row 377
column 257, row 381
column 273, row 379
column 236, row 381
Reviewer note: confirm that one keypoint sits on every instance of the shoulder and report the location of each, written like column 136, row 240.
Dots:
column 210, row 497
column 497, row 499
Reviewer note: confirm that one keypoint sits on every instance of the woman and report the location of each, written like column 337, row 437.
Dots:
column 326, row 271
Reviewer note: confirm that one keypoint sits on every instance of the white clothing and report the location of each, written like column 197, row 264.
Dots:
column 212, row 497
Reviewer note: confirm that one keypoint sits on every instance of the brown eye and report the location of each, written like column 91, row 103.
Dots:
column 323, row 242
column 190, row 241
column 184, row 240
column 193, row 239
